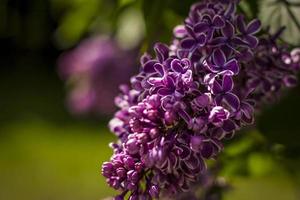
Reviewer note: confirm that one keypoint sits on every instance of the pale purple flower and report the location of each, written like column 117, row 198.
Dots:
column 93, row 70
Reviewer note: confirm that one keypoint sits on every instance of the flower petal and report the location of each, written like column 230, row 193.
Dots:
column 247, row 109
column 170, row 83
column 202, row 100
column 159, row 68
column 201, row 39
column 214, row 68
column 216, row 88
column 239, row 42
column 190, row 31
column 201, row 27
column 290, row 81
column 219, row 57
column 251, row 40
column 229, row 126
column 207, row 149
column 218, row 21
column 145, row 58
column 227, row 84
column 218, row 41
column 179, row 31
column 148, row 67
column 162, row 51
column 248, row 112
column 187, row 43
column 228, row 30
column 240, row 21
column 176, row 66
column 231, row 100
column 253, row 26
column 165, row 91
column 232, row 65
column 182, row 53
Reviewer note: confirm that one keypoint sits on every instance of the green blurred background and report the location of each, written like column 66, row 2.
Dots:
column 48, row 154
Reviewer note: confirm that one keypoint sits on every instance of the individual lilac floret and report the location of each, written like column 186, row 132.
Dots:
column 93, row 71
column 190, row 97
column 220, row 63
column 248, row 31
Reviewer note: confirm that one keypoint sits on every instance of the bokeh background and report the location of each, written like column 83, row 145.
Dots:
column 50, row 151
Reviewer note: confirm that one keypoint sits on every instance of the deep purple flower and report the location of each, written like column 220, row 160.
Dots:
column 248, row 31
column 190, row 97
column 218, row 115
column 209, row 24
column 221, row 64
column 194, row 40
column 228, row 40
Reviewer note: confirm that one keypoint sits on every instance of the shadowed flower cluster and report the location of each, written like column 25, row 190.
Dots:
column 94, row 70
column 190, row 97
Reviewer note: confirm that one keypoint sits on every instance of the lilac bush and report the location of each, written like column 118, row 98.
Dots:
column 94, row 69
column 190, row 97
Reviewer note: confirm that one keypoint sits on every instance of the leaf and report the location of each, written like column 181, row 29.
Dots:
column 277, row 14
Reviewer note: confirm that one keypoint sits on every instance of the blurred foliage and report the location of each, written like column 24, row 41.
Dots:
column 41, row 160
column 252, row 163
column 76, row 18
column 131, row 28
column 272, row 187
column 280, row 123
column 161, row 17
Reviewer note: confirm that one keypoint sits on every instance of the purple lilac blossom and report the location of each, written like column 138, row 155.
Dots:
column 190, row 97
column 94, row 69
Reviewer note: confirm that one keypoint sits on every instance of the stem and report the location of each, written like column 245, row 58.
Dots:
column 292, row 3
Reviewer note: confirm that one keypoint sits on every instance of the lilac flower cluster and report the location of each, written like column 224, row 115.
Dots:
column 190, row 97
column 272, row 69
column 94, row 70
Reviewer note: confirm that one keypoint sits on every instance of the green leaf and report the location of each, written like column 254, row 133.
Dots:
column 277, row 14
